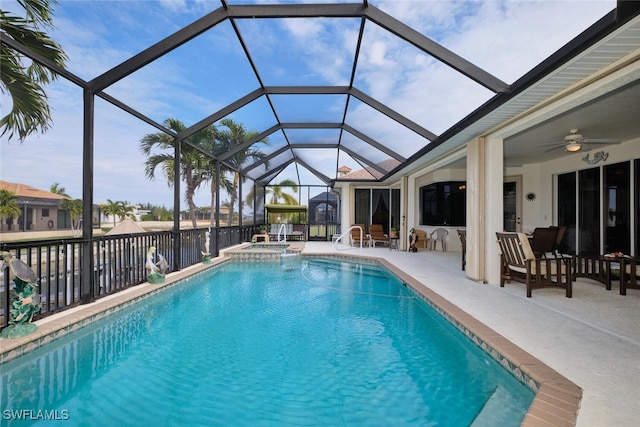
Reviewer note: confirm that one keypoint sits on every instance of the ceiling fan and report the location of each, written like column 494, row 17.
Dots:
column 574, row 142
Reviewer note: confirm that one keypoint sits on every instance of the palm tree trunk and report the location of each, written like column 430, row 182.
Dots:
column 190, row 192
column 214, row 196
column 234, row 192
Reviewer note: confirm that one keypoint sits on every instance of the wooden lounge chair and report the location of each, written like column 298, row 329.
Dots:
column 629, row 273
column 440, row 236
column 463, row 242
column 358, row 233
column 518, row 262
column 377, row 234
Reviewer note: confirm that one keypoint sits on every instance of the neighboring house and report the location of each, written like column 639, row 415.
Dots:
column 40, row 209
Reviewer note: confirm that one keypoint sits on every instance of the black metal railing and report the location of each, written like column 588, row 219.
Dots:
column 118, row 262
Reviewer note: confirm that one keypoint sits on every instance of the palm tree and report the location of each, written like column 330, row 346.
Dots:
column 111, row 209
column 227, row 139
column 190, row 161
column 118, row 209
column 24, row 83
column 258, row 195
column 125, row 211
column 277, row 192
column 57, row 189
column 206, row 139
column 74, row 206
column 9, row 205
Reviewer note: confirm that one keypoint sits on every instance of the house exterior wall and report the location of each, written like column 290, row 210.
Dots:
column 41, row 222
column 35, row 218
column 538, row 178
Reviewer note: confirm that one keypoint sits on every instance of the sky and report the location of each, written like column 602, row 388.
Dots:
column 505, row 38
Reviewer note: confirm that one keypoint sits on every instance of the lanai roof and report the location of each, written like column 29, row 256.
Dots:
column 334, row 107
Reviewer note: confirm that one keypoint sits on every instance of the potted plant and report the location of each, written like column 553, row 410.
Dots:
column 393, row 232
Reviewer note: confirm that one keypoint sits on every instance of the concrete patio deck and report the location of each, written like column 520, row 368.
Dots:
column 593, row 339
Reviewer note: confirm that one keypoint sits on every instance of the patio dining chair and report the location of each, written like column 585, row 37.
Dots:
column 463, row 242
column 562, row 230
column 440, row 236
column 543, row 241
column 518, row 262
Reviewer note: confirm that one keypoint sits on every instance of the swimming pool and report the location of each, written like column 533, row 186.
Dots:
column 320, row 342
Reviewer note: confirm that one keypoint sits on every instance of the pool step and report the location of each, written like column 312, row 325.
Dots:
column 495, row 411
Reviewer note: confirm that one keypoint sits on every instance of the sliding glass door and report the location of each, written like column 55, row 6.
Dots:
column 599, row 209
column 377, row 206
column 589, row 217
column 567, row 211
column 617, row 197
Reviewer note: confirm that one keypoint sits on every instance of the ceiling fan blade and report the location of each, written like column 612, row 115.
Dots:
column 600, row 141
column 554, row 148
column 549, row 144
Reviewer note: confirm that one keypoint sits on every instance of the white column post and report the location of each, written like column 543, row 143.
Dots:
column 493, row 206
column 475, row 210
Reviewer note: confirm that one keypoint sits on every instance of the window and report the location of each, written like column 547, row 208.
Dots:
column 45, row 213
column 444, row 203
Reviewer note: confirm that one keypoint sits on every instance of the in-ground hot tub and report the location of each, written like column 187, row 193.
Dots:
column 264, row 252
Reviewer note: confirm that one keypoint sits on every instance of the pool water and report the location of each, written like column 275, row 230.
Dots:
column 306, row 342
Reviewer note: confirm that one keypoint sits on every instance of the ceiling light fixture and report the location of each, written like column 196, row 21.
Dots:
column 573, row 147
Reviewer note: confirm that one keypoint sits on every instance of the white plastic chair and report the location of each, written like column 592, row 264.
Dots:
column 440, row 236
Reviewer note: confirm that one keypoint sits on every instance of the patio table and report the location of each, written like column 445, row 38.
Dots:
column 394, row 243
column 629, row 280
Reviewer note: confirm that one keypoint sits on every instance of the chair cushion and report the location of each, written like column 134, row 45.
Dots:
column 628, row 269
column 552, row 270
column 526, row 246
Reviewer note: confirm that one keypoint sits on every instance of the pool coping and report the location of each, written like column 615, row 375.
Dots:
column 556, row 402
